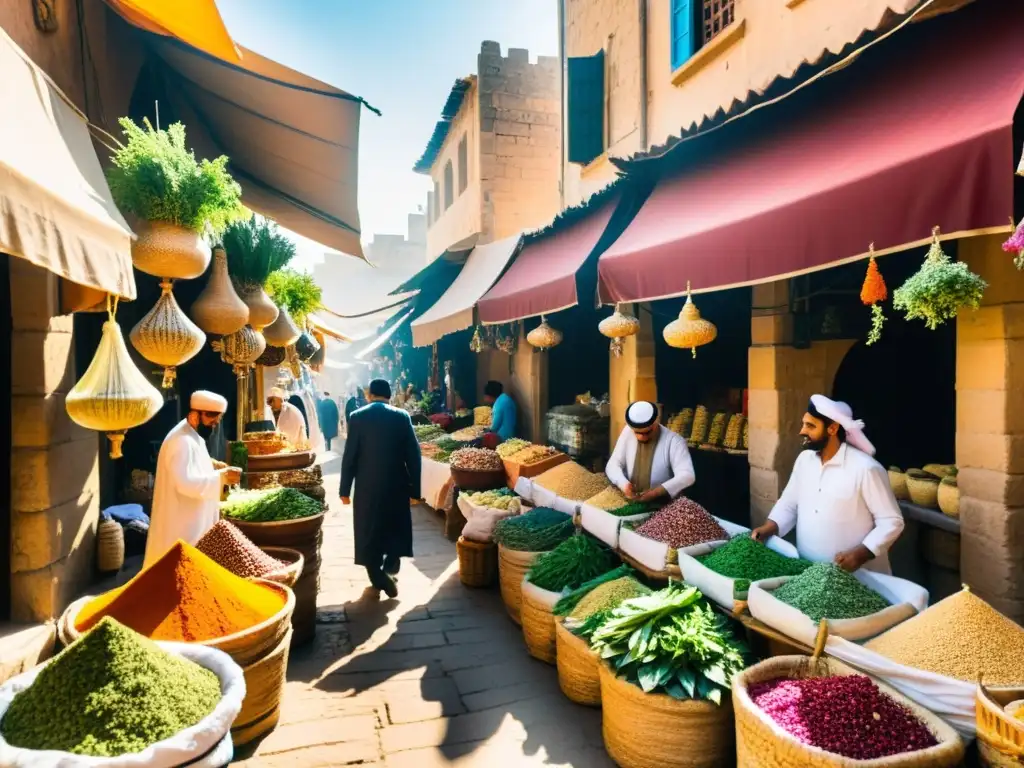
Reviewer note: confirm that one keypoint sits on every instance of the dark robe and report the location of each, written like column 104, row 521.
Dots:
column 382, row 458
column 327, row 412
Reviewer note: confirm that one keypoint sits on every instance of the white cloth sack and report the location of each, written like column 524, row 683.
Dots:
column 545, row 597
column 604, row 525
column 218, row 757
column 542, row 497
column 568, row 506
column 433, row 477
column 480, row 521
column 524, row 489
column 905, row 600
column 181, row 748
column 649, row 553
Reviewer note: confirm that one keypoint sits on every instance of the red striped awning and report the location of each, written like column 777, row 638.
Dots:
column 916, row 132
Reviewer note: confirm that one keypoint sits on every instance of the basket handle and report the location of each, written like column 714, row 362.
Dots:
column 820, row 640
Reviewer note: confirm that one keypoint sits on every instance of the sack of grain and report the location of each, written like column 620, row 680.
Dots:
column 480, row 521
column 604, row 525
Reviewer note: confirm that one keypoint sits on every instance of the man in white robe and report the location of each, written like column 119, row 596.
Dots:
column 186, row 496
column 649, row 463
column 288, row 418
column 838, row 497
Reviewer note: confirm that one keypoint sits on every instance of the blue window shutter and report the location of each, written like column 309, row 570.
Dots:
column 682, row 32
column 585, row 107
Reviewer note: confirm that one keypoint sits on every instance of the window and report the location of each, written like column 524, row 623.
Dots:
column 694, row 23
column 718, row 14
column 463, row 163
column 585, row 107
column 437, row 200
column 430, row 208
column 449, row 185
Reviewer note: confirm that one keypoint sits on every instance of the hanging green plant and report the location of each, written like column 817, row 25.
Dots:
column 872, row 293
column 295, row 291
column 255, row 248
column 940, row 289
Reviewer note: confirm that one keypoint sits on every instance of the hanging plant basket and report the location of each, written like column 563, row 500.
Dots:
column 166, row 336
column 306, row 346
column 689, row 330
column 282, row 332
column 263, row 312
column 169, row 250
column 219, row 310
column 940, row 289
column 544, row 336
column 113, row 395
column 271, row 357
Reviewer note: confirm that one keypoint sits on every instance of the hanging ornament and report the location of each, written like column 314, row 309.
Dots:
column 170, row 251
column 219, row 310
column 617, row 327
column 689, row 330
column 872, row 293
column 320, row 356
column 306, row 346
column 509, row 342
column 292, row 357
column 114, row 395
column 271, row 357
column 283, row 332
column 476, row 344
column 166, row 336
column 1015, row 244
column 544, row 336
column 262, row 310
column 241, row 348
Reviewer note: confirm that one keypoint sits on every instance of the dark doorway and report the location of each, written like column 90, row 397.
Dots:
column 5, row 436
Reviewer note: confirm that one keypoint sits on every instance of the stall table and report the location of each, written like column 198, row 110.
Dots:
column 435, row 477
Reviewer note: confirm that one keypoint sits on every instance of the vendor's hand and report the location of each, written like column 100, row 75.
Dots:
column 627, row 491
column 231, row 475
column 219, row 464
column 653, row 495
column 853, row 559
column 346, row 500
column 764, row 532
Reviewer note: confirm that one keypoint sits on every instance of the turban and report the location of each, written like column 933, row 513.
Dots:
column 276, row 392
column 641, row 414
column 211, row 402
column 842, row 414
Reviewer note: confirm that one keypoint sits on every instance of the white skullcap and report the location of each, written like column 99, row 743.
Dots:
column 276, row 392
column 842, row 414
column 211, row 402
column 641, row 414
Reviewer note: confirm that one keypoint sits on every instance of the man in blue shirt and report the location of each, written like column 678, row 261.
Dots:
column 503, row 410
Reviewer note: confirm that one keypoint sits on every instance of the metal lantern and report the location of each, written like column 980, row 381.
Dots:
column 617, row 327
column 166, row 336
column 544, row 336
column 689, row 330
column 306, row 346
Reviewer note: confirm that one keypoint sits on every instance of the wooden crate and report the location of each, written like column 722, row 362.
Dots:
column 514, row 471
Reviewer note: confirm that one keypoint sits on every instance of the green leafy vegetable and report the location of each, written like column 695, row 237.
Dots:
column 576, row 560
column 940, row 289
column 539, row 530
column 568, row 602
column 295, row 291
column 255, row 249
column 270, row 505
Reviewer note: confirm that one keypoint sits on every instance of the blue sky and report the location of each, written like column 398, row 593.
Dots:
column 402, row 56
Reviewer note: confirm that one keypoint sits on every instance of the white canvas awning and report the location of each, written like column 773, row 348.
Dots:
column 454, row 310
column 55, row 206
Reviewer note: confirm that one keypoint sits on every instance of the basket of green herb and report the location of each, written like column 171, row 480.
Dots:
column 668, row 663
column 270, row 506
column 521, row 540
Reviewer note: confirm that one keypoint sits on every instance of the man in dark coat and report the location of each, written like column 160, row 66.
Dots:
column 327, row 413
column 382, row 458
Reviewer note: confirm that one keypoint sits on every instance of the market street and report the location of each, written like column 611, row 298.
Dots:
column 438, row 677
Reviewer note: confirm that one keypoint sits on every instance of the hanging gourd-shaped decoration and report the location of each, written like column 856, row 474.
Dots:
column 166, row 336
column 271, row 357
column 169, row 250
column 114, row 395
column 241, row 348
column 219, row 310
column 689, row 330
column 320, row 356
column 544, row 336
column 476, row 344
column 306, row 346
column 1020, row 166
column 617, row 327
column 282, row 332
column 262, row 310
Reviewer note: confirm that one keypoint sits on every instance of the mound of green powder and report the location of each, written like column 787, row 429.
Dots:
column 111, row 693
column 826, row 591
column 745, row 560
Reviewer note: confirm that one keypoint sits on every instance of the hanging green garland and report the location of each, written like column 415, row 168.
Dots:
column 940, row 289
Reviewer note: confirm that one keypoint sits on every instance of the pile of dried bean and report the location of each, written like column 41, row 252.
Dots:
column 512, row 446
column 477, row 459
column 229, row 547
column 682, row 523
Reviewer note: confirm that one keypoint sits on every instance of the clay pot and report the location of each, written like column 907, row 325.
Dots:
column 169, row 250
column 219, row 310
column 262, row 311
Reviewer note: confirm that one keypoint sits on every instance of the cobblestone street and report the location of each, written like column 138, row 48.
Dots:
column 438, row 677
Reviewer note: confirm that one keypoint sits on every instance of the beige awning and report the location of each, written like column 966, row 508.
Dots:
column 55, row 206
column 317, row 324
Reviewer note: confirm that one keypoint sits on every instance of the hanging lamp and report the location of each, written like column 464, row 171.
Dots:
column 219, row 310
column 544, row 336
column 166, row 336
column 617, row 327
column 242, row 348
column 113, row 395
column 272, row 357
column 689, row 330
column 306, row 346
column 476, row 344
column 283, row 332
column 320, row 356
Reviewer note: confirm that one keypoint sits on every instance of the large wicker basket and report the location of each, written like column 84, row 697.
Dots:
column 293, row 562
column 760, row 743
column 653, row 730
column 264, row 685
column 109, row 546
column 577, row 667
column 1000, row 733
column 478, row 562
column 512, row 567
column 538, row 622
column 924, row 493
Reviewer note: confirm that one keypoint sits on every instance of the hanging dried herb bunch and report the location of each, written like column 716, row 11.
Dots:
column 872, row 293
column 1015, row 244
column 940, row 289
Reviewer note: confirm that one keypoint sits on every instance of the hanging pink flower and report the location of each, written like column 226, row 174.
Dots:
column 1016, row 241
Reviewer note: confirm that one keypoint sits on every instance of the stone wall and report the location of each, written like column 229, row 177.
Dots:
column 631, row 376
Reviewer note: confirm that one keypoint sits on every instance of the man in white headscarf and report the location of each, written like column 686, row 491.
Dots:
column 289, row 419
column 649, row 462
column 186, row 497
column 838, row 497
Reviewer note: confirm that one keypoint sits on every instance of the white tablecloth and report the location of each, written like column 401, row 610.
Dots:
column 434, row 475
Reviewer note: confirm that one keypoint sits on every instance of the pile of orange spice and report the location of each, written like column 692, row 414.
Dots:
column 184, row 597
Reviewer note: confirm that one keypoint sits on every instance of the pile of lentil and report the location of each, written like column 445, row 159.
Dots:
column 571, row 481
column 229, row 547
column 608, row 499
column 826, row 591
column 184, row 597
column 682, row 523
column 846, row 715
column 572, row 563
column 111, row 693
column 269, row 506
column 539, row 530
column 745, row 560
column 477, row 459
column 511, row 447
column 961, row 637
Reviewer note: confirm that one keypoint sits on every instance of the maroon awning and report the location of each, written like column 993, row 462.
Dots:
column 543, row 278
column 914, row 134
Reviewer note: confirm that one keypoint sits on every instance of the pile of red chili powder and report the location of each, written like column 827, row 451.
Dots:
column 845, row 715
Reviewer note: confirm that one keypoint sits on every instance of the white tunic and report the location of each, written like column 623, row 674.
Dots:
column 186, row 495
column 672, row 467
column 291, row 424
column 839, row 505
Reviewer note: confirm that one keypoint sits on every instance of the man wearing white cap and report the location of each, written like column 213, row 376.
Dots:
column 188, row 482
column 649, row 463
column 838, row 497
column 289, row 419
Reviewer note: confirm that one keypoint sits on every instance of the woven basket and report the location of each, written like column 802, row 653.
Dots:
column 577, row 668
column 109, row 546
column 1000, row 734
column 264, row 684
column 512, row 568
column 538, row 622
column 652, row 730
column 924, row 493
column 898, row 483
column 169, row 250
column 478, row 562
column 293, row 562
column 760, row 743
column 948, row 498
